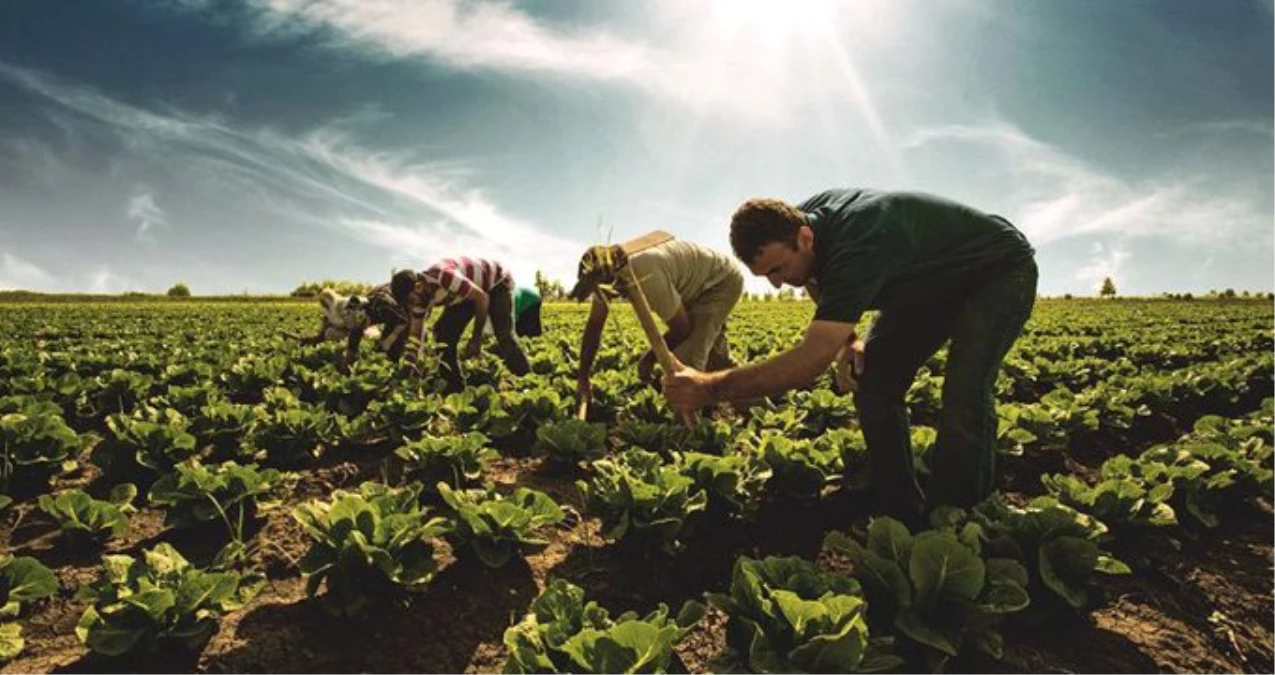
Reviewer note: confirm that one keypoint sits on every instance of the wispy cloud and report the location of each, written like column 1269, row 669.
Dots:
column 1254, row 127
column 705, row 59
column 463, row 34
column 19, row 274
column 1061, row 197
column 320, row 177
column 143, row 209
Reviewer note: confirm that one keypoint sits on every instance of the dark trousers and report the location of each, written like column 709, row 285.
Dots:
column 982, row 325
column 528, row 323
column 452, row 323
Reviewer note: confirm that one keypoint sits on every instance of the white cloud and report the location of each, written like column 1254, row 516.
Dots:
column 19, row 274
column 709, row 57
column 143, row 209
column 1061, row 197
column 321, row 177
column 463, row 34
column 1105, row 261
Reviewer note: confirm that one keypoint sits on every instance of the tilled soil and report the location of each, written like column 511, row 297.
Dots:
column 1202, row 604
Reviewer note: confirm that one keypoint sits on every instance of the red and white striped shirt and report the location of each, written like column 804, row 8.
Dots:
column 449, row 281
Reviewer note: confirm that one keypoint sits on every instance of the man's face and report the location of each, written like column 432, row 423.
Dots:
column 783, row 263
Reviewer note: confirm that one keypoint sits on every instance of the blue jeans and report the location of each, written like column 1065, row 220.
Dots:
column 982, row 325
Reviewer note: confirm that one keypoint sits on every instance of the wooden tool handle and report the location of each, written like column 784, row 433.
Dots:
column 643, row 311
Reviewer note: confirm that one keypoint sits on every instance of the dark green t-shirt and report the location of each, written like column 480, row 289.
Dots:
column 875, row 250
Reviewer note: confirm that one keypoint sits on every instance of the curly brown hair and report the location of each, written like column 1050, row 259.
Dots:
column 758, row 222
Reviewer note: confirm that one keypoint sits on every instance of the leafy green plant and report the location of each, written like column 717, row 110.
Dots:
column 403, row 417
column 712, row 436
column 495, row 527
column 11, row 641
column 646, row 405
column 80, row 515
column 786, row 421
column 1123, row 503
column 785, row 615
column 1057, row 545
column 366, row 543
column 290, row 436
column 936, row 588
column 34, row 443
column 533, row 407
column 458, row 459
column 154, row 438
column 471, row 408
column 22, row 580
column 196, row 493
column 160, row 597
column 823, row 409
column 802, row 468
column 119, row 391
column 571, row 441
column 564, row 634
column 636, row 492
column 735, row 483
column 660, row 437
column 223, row 426
column 248, row 378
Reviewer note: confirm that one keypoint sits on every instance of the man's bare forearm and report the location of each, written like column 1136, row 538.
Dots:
column 591, row 339
column 792, row 369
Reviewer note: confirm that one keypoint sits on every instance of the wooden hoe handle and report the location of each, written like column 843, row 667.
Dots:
column 643, row 311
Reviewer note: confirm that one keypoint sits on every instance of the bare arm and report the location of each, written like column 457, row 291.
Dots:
column 679, row 328
column 415, row 338
column 592, row 337
column 482, row 305
column 792, row 369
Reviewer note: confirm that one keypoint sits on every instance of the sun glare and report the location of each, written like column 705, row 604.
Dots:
column 775, row 22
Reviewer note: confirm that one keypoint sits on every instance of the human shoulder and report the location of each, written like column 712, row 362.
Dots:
column 837, row 198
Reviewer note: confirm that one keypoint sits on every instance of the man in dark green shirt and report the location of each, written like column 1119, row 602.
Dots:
column 937, row 271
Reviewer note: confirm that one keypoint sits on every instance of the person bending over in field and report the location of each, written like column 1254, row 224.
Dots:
column 349, row 318
column 526, row 313
column 527, row 307
column 938, row 271
column 691, row 288
column 469, row 289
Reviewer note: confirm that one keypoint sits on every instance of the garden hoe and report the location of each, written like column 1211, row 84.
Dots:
column 611, row 264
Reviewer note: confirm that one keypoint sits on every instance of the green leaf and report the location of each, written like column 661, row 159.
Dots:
column 942, row 566
column 913, row 626
column 1066, row 564
column 11, row 641
column 26, row 579
column 890, row 539
column 1004, row 598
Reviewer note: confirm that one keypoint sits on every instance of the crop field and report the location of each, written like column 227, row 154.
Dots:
column 182, row 488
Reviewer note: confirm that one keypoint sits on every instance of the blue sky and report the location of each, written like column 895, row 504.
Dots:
column 250, row 145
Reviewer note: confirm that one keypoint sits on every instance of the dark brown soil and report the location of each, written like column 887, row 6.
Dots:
column 1204, row 605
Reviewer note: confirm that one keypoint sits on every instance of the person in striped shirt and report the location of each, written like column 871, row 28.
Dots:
column 468, row 289
column 349, row 317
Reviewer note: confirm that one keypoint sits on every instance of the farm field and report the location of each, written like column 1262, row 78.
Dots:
column 182, row 489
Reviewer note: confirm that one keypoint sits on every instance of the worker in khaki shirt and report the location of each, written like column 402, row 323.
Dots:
column 691, row 288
